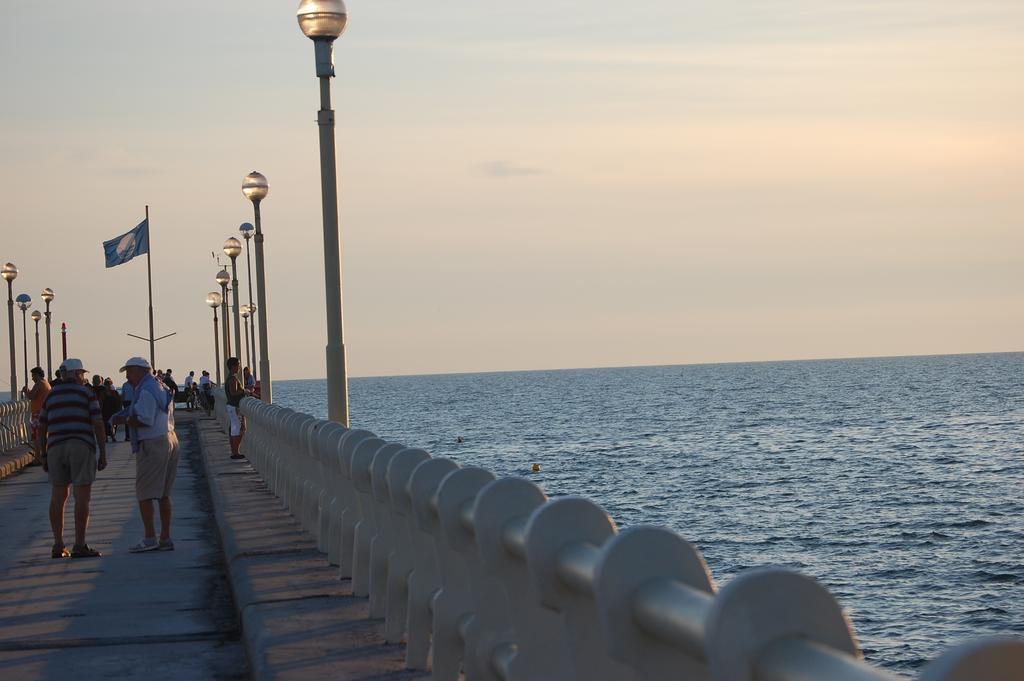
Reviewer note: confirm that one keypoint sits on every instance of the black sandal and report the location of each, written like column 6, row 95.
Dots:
column 85, row 551
column 60, row 551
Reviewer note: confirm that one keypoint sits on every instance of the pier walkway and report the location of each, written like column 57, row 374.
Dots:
column 157, row 615
column 172, row 615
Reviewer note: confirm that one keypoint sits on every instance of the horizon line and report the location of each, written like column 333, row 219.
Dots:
column 643, row 366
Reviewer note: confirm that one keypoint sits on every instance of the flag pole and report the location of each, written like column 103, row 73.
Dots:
column 149, row 275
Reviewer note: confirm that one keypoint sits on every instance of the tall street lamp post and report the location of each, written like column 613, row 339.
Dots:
column 24, row 301
column 232, row 249
column 223, row 278
column 247, row 230
column 255, row 188
column 213, row 300
column 10, row 273
column 36, row 316
column 47, row 296
column 248, row 356
column 252, row 340
column 323, row 21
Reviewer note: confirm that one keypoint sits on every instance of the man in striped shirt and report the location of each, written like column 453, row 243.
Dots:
column 70, row 429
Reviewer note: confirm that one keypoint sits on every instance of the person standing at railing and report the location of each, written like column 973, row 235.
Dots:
column 155, row 446
column 235, row 391
column 37, row 394
column 70, row 430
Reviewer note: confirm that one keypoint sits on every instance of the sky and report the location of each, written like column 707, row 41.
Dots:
column 531, row 185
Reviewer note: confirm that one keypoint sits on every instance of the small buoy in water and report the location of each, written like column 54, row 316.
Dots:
column 536, row 468
column 460, row 439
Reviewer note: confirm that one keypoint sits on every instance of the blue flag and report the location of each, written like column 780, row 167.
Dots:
column 121, row 249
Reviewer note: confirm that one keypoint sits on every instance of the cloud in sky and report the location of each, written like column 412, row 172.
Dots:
column 502, row 169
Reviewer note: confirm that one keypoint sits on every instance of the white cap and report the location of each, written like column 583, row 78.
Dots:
column 71, row 364
column 136, row 362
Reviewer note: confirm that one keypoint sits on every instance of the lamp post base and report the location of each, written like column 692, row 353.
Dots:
column 266, row 390
column 337, row 385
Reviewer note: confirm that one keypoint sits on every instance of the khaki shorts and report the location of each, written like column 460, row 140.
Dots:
column 156, row 467
column 72, row 462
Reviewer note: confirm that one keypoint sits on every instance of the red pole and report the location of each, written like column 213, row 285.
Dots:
column 64, row 339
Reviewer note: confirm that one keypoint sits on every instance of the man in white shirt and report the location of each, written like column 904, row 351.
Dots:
column 189, row 380
column 155, row 446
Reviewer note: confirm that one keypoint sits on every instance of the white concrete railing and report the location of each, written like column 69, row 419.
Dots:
column 491, row 577
column 14, row 424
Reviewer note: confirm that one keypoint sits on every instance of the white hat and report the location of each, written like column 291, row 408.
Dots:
column 136, row 362
column 71, row 364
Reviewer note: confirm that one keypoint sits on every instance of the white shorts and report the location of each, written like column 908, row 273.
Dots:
column 234, row 422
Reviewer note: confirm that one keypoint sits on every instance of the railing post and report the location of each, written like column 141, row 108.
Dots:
column 766, row 605
column 6, row 430
column 327, row 439
column 364, row 529
column 401, row 561
column 297, row 449
column 640, row 558
column 282, row 457
column 312, row 484
column 383, row 535
column 501, row 513
column 340, row 523
column 555, row 530
column 991, row 659
column 425, row 582
column 346, row 511
column 470, row 613
column 290, row 491
column 279, row 445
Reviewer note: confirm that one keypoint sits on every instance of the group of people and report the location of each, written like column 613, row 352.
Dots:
column 195, row 393
column 71, row 429
column 198, row 393
column 110, row 399
column 72, row 421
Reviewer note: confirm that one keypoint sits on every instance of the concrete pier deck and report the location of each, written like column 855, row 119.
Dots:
column 157, row 615
column 244, row 595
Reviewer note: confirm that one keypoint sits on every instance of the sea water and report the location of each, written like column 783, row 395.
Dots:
column 896, row 482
